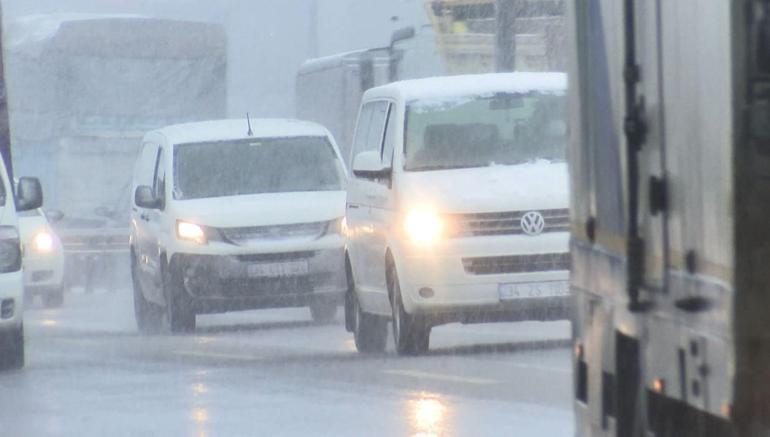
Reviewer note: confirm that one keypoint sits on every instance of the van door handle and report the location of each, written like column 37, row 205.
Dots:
column 145, row 217
column 351, row 206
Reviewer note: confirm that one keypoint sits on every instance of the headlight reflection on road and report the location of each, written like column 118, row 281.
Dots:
column 199, row 413
column 428, row 415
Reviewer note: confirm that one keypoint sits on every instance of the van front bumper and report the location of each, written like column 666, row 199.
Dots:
column 505, row 278
column 217, row 283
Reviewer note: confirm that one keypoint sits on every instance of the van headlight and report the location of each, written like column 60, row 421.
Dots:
column 423, row 226
column 43, row 242
column 10, row 250
column 338, row 226
column 191, row 232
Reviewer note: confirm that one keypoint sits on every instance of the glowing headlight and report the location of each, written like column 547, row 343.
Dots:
column 423, row 226
column 337, row 226
column 43, row 242
column 191, row 232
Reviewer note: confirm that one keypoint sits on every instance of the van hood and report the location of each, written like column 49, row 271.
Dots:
column 539, row 185
column 263, row 209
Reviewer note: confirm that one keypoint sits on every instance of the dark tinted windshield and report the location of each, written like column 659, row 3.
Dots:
column 479, row 131
column 264, row 165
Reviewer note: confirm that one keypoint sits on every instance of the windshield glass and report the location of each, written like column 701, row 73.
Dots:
column 503, row 129
column 255, row 166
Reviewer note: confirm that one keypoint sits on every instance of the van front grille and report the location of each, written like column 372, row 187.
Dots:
column 505, row 223
column 544, row 262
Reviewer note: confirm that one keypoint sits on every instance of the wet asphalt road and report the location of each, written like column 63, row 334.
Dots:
column 275, row 373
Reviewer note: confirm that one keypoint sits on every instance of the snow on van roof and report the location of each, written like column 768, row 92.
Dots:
column 473, row 84
column 333, row 61
column 226, row 130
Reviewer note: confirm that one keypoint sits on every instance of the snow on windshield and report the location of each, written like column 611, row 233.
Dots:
column 499, row 129
column 257, row 166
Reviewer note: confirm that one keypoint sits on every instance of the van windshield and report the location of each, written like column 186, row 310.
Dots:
column 480, row 131
column 255, row 166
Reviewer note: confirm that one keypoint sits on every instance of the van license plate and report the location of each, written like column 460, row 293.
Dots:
column 274, row 270
column 533, row 290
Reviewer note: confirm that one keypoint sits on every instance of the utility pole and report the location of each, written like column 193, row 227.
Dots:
column 5, row 133
column 313, row 30
column 505, row 44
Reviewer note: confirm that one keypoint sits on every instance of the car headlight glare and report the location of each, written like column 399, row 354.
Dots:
column 43, row 242
column 423, row 226
column 191, row 232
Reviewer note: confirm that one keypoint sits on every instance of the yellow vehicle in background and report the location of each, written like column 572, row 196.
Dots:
column 480, row 36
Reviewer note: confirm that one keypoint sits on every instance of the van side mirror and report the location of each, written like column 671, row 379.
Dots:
column 29, row 194
column 54, row 215
column 145, row 198
column 368, row 165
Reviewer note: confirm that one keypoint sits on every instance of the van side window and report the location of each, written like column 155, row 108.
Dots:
column 145, row 165
column 390, row 137
column 362, row 132
column 371, row 128
column 3, row 194
column 159, row 179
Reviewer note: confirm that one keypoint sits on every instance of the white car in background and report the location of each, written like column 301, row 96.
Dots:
column 43, row 258
column 457, row 206
column 231, row 215
column 29, row 196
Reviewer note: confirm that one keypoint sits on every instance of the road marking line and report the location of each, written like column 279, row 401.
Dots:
column 218, row 355
column 440, row 377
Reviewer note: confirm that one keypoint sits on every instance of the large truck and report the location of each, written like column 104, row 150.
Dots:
column 83, row 90
column 670, row 178
column 329, row 89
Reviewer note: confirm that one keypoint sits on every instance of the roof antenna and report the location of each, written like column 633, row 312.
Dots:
column 248, row 120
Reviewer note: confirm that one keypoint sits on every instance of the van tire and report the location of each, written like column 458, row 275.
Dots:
column 148, row 316
column 180, row 315
column 411, row 334
column 12, row 349
column 370, row 332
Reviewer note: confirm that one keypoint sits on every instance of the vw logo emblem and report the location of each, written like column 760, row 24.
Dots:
column 533, row 223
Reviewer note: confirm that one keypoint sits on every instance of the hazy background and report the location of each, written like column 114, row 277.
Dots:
column 268, row 39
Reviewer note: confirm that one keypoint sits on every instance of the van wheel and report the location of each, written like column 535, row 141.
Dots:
column 148, row 315
column 370, row 332
column 323, row 311
column 12, row 349
column 180, row 316
column 54, row 299
column 411, row 334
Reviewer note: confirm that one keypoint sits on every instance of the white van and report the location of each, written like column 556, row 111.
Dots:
column 29, row 196
column 457, row 206
column 231, row 215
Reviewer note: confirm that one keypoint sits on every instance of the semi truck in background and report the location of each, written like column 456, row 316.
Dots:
column 83, row 90
column 670, row 177
column 329, row 89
